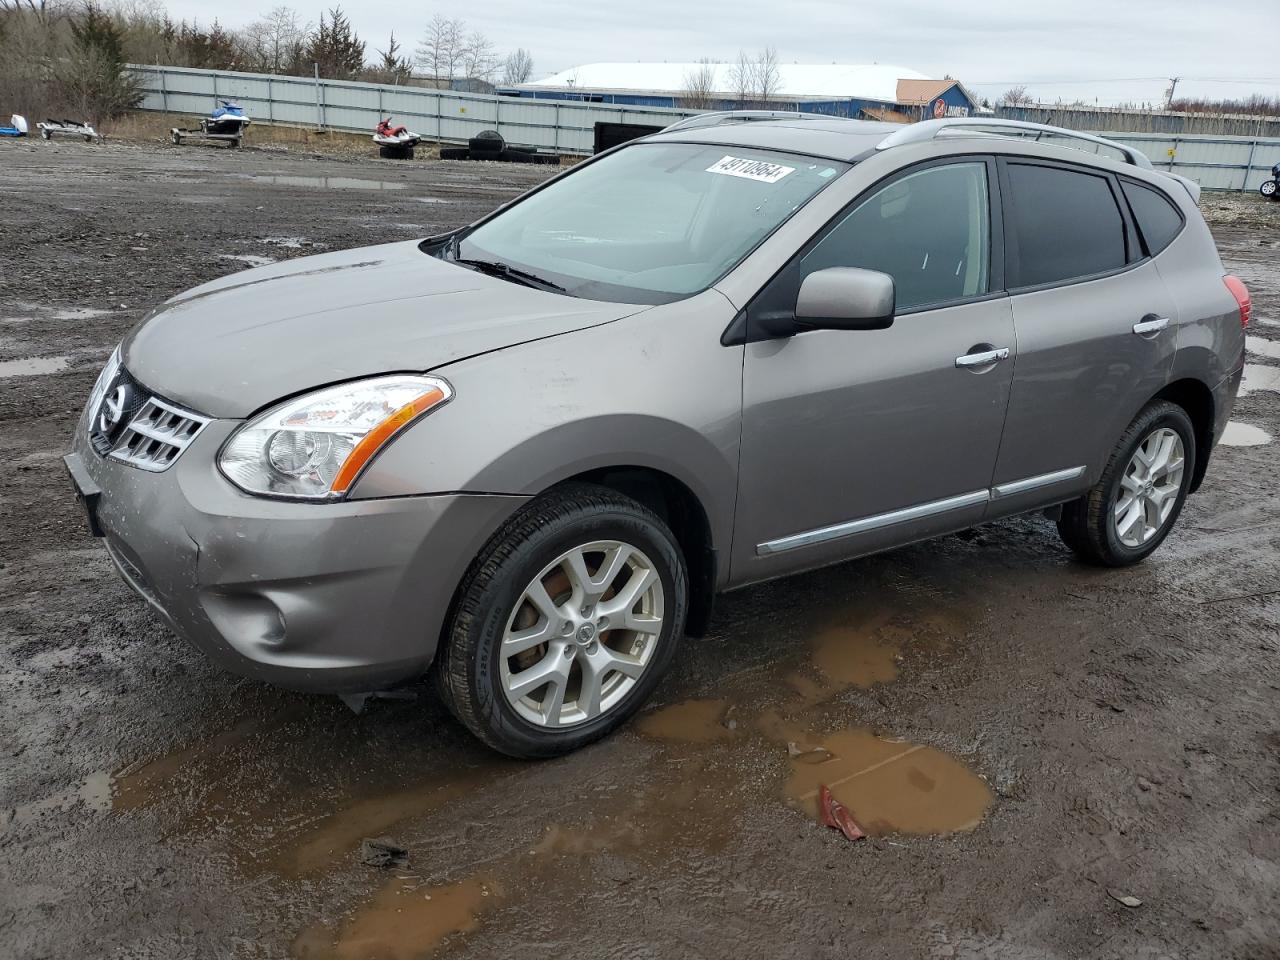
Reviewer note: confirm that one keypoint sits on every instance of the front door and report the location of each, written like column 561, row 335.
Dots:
column 853, row 441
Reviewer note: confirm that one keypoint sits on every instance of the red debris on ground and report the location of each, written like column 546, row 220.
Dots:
column 837, row 816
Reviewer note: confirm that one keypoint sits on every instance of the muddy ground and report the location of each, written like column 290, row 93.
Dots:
column 1028, row 739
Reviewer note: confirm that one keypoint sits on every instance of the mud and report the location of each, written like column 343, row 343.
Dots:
column 1021, row 734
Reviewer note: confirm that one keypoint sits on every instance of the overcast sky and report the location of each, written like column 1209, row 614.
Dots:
column 1104, row 50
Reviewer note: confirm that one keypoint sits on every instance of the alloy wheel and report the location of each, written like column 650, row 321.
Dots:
column 1149, row 487
column 581, row 634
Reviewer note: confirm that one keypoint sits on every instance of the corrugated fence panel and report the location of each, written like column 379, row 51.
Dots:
column 437, row 114
column 1215, row 162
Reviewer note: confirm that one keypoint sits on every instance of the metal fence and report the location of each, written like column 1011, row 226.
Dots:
column 1215, row 162
column 445, row 116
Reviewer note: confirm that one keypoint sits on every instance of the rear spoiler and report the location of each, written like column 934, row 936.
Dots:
column 1188, row 184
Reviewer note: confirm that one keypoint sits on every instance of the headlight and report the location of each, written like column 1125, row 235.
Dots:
column 315, row 446
column 104, row 380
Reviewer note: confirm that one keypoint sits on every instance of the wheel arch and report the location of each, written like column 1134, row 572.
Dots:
column 676, row 503
column 1196, row 399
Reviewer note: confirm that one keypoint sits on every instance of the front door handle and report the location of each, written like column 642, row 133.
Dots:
column 983, row 358
column 1150, row 324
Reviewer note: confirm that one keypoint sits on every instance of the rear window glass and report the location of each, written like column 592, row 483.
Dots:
column 1157, row 217
column 1066, row 222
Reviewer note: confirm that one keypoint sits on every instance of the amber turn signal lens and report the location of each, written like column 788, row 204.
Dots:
column 376, row 438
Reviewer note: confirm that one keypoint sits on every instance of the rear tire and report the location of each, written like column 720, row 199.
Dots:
column 487, row 145
column 615, row 668
column 1123, row 518
column 1269, row 189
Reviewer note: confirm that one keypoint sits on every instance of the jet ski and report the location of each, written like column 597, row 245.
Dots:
column 17, row 127
column 395, row 142
column 227, row 120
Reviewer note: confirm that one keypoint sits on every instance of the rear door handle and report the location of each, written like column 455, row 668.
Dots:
column 1150, row 324
column 983, row 358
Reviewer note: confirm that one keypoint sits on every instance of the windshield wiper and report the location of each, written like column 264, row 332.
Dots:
column 496, row 268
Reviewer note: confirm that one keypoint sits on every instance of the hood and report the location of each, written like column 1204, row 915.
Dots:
column 229, row 347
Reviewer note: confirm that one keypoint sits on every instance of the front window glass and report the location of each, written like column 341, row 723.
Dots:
column 930, row 231
column 652, row 223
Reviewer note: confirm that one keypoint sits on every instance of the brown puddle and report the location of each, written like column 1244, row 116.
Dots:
column 340, row 832
column 405, row 920
column 687, row 810
column 856, row 656
column 152, row 781
column 890, row 786
column 693, row 721
column 295, row 826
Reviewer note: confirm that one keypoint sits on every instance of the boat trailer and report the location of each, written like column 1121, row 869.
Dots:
column 74, row 128
column 178, row 134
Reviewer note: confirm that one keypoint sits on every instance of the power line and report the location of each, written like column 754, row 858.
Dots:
column 983, row 83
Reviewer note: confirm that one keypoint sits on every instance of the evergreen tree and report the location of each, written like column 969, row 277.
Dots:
column 97, row 81
column 335, row 48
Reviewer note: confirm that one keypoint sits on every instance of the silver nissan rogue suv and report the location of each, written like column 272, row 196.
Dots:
column 525, row 456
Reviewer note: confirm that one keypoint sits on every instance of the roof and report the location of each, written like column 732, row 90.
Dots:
column 833, row 138
column 839, row 139
column 922, row 91
column 873, row 81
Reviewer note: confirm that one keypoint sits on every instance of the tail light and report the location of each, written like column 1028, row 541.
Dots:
column 1241, row 293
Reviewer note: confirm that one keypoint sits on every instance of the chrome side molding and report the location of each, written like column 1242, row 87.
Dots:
column 838, row 530
column 1034, row 483
column 918, row 512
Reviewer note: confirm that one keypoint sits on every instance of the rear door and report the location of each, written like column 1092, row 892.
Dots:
column 1095, row 325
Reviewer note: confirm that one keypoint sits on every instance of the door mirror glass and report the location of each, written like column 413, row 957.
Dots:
column 845, row 298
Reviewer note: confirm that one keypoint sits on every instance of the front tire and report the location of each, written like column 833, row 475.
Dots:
column 565, row 623
column 1268, row 189
column 1135, row 503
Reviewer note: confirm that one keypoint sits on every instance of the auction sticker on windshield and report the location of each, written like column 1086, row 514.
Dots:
column 750, row 169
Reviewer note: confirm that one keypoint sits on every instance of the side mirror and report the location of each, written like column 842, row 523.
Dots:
column 845, row 298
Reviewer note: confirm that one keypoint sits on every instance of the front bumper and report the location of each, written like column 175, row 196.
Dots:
column 332, row 597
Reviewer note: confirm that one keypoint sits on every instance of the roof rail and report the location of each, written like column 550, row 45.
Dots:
column 1018, row 129
column 722, row 117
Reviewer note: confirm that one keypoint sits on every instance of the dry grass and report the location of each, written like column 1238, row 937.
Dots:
column 149, row 126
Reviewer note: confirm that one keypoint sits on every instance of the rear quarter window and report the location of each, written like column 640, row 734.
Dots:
column 1159, row 221
column 1067, row 224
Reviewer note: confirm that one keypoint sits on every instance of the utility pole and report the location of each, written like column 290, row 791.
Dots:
column 1173, row 85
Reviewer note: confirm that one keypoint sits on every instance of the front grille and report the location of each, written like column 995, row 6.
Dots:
column 130, row 424
column 157, row 435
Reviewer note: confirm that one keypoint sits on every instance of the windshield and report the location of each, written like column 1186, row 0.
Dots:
column 652, row 223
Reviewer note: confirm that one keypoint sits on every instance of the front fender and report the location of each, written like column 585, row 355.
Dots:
column 654, row 390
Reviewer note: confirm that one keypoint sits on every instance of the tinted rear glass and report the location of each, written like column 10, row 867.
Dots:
column 1157, row 217
column 1067, row 224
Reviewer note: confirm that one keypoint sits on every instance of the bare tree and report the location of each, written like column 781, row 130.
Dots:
column 443, row 47
column 768, row 76
column 699, row 86
column 742, row 78
column 1016, row 97
column 274, row 43
column 756, row 81
column 517, row 67
column 479, row 60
